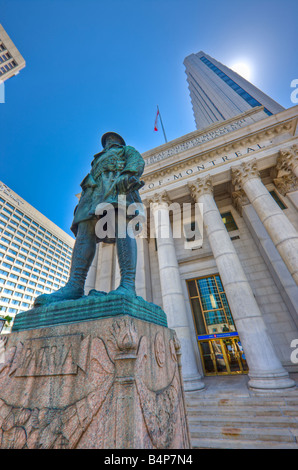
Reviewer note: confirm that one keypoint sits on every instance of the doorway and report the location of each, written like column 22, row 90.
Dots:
column 219, row 343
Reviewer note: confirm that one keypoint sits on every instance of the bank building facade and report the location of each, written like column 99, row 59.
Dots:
column 228, row 284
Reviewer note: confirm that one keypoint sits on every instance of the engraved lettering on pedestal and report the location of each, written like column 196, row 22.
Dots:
column 57, row 355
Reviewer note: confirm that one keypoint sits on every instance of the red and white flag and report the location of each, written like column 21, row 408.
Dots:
column 156, row 120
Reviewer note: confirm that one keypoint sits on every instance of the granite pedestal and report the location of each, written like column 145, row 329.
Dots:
column 94, row 373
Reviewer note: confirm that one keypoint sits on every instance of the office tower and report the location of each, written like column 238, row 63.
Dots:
column 35, row 254
column 218, row 93
column 11, row 61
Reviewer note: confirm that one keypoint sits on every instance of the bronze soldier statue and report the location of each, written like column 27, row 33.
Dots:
column 114, row 172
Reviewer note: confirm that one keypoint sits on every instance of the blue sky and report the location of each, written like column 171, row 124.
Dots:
column 94, row 66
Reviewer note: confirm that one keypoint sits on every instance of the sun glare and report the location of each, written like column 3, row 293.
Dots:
column 242, row 69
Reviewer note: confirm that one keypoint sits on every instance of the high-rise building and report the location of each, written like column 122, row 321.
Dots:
column 35, row 254
column 218, row 93
column 11, row 61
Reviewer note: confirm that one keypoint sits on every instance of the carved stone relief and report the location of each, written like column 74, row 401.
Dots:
column 88, row 362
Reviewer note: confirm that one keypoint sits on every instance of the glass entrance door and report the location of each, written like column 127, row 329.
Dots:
column 219, row 343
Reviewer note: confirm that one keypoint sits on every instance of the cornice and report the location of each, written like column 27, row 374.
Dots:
column 186, row 138
column 279, row 120
column 270, row 132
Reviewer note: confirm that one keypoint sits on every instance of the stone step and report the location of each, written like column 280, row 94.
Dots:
column 247, row 411
column 202, row 443
column 253, row 402
column 231, row 434
column 243, row 421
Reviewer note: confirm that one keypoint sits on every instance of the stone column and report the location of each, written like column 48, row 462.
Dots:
column 278, row 226
column 265, row 369
column 143, row 278
column 171, row 289
column 285, row 283
column 104, row 271
column 91, row 276
column 116, row 271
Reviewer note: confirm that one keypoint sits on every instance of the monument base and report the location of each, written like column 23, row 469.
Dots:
column 109, row 383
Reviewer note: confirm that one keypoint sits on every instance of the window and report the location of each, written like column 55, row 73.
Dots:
column 11, row 284
column 277, row 200
column 7, row 211
column 6, row 265
column 13, row 276
column 209, row 302
column 7, row 291
column 229, row 221
column 12, row 310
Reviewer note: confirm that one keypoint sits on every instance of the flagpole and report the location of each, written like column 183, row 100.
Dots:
column 164, row 134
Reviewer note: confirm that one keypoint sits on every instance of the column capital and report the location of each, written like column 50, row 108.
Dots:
column 287, row 183
column 244, row 172
column 286, row 180
column 159, row 199
column 200, row 186
column 239, row 199
column 287, row 159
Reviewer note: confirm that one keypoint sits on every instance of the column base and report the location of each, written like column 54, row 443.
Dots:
column 191, row 384
column 270, row 382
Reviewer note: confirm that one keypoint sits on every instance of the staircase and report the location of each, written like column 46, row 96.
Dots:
column 235, row 419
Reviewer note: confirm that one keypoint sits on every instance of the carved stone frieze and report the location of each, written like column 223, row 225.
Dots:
column 160, row 350
column 125, row 335
column 160, row 409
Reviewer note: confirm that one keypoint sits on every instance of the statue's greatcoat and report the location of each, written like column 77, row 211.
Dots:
column 109, row 177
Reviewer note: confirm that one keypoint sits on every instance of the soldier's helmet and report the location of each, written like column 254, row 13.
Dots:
column 116, row 136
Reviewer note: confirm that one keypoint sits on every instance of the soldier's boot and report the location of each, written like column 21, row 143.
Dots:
column 127, row 257
column 83, row 254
